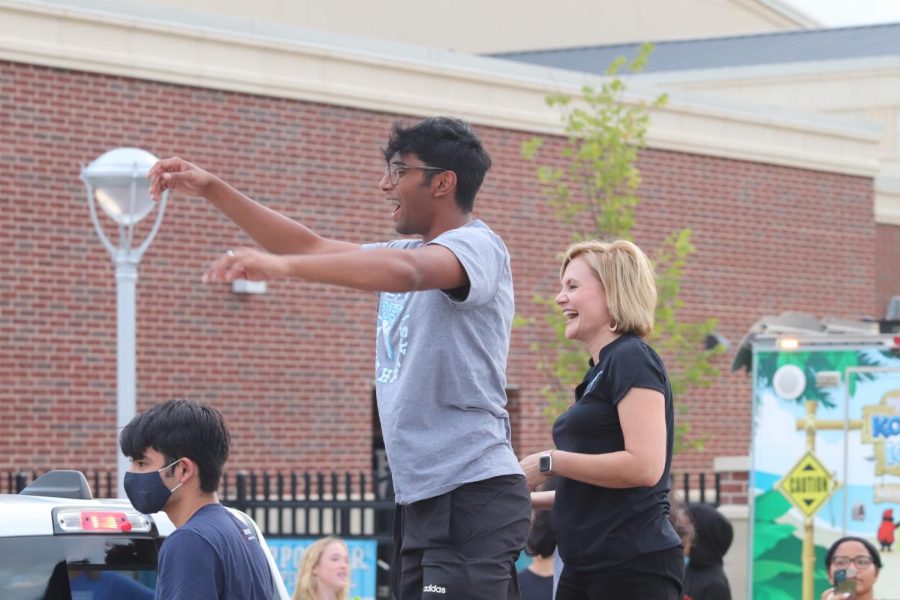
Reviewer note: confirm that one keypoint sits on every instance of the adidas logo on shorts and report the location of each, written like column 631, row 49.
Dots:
column 434, row 589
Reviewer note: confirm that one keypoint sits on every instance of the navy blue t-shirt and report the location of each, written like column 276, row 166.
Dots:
column 533, row 586
column 602, row 527
column 214, row 556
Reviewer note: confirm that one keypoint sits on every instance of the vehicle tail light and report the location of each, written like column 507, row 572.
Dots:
column 97, row 521
column 105, row 521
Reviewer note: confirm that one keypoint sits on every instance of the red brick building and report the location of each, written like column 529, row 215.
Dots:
column 292, row 369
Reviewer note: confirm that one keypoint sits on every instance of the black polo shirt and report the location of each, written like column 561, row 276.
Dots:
column 602, row 527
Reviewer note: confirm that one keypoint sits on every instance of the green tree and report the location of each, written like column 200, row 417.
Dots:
column 595, row 193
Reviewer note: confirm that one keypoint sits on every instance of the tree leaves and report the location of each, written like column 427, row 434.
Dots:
column 596, row 193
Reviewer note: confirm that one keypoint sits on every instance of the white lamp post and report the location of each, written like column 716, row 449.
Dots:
column 117, row 181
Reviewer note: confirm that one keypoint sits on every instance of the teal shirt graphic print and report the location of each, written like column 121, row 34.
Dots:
column 392, row 336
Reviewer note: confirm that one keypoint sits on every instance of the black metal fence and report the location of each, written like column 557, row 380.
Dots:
column 696, row 488
column 345, row 504
column 312, row 504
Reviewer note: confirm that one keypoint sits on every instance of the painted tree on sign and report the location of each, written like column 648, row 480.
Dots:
column 595, row 193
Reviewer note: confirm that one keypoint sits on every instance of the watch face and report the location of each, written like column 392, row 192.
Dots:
column 544, row 464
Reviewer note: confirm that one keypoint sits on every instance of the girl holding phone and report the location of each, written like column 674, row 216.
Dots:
column 853, row 565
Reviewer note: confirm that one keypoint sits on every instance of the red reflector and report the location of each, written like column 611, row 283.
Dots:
column 105, row 521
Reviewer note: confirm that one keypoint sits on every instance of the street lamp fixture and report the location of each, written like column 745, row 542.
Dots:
column 117, row 182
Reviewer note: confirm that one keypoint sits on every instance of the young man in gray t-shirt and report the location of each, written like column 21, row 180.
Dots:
column 443, row 325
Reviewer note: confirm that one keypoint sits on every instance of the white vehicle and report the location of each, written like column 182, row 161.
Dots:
column 59, row 543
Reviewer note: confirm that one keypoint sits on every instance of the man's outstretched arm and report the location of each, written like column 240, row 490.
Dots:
column 380, row 270
column 271, row 230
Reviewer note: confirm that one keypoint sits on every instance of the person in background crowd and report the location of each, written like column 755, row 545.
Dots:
column 858, row 554
column 704, row 577
column 177, row 451
column 536, row 580
column 324, row 571
column 445, row 311
column 614, row 445
column 681, row 521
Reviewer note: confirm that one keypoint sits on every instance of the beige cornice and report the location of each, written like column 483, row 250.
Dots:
column 284, row 62
column 823, row 86
column 859, row 88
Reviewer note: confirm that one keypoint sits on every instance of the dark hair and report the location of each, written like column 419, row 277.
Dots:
column 178, row 429
column 873, row 552
column 447, row 143
column 541, row 541
column 681, row 520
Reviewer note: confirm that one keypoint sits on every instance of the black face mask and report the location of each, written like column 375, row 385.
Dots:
column 147, row 492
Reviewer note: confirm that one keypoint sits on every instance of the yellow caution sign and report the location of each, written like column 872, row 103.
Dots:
column 808, row 485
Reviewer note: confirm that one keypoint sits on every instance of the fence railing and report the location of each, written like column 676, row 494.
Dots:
column 696, row 488
column 323, row 503
column 312, row 504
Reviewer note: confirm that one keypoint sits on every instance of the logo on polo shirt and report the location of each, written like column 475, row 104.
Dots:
column 593, row 382
column 434, row 589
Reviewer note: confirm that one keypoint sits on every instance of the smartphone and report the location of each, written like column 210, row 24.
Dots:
column 845, row 582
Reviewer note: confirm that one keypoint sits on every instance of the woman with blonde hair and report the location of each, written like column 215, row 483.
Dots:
column 613, row 446
column 324, row 571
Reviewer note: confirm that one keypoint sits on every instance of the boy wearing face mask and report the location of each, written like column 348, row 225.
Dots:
column 177, row 452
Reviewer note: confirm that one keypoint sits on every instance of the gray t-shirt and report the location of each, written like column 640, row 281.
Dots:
column 440, row 372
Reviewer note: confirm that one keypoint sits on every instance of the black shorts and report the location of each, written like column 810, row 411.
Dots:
column 462, row 544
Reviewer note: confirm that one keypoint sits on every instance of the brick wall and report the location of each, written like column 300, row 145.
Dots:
column 734, row 488
column 292, row 369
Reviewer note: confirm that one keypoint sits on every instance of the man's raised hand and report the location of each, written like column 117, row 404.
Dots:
column 178, row 175
column 247, row 263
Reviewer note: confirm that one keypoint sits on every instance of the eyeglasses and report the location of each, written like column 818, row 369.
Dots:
column 842, row 562
column 395, row 171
